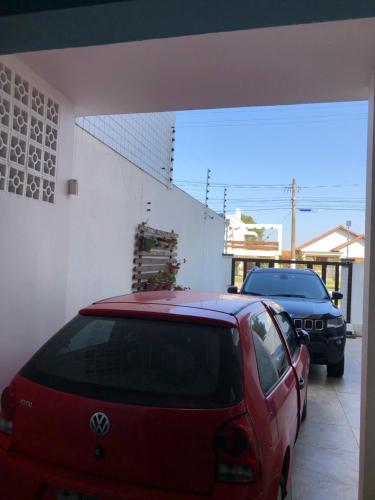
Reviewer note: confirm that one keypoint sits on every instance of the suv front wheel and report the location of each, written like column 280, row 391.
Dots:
column 336, row 370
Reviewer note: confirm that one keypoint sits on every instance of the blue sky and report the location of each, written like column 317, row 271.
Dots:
column 263, row 148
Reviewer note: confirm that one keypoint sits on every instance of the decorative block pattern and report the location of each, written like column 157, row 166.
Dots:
column 3, row 169
column 145, row 139
column 20, row 120
column 49, row 166
column 37, row 102
column 5, row 79
column 29, row 122
column 33, row 186
column 48, row 191
column 4, row 137
column 51, row 137
column 16, row 180
column 21, row 90
column 53, row 111
column 4, row 111
column 36, row 130
column 18, row 151
column 35, row 158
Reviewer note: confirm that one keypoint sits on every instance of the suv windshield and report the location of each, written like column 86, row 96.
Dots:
column 146, row 362
column 282, row 284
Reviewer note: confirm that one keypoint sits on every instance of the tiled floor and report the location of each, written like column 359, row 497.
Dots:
column 327, row 450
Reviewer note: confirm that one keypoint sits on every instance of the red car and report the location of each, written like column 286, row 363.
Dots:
column 158, row 396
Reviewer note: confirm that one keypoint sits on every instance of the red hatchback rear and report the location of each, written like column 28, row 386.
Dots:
column 154, row 396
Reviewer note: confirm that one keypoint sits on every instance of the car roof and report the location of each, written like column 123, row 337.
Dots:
column 283, row 270
column 184, row 306
column 219, row 302
column 210, row 308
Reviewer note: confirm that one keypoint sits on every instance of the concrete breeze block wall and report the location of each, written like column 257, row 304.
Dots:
column 34, row 225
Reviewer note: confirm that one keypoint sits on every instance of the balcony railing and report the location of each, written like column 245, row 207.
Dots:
column 254, row 245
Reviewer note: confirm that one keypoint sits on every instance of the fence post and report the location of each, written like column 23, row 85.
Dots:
column 233, row 271
column 324, row 273
column 349, row 299
column 244, row 270
column 337, row 280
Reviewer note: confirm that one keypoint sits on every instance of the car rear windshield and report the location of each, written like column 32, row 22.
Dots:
column 281, row 284
column 143, row 362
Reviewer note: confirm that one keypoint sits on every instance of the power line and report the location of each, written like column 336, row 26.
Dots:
column 261, row 186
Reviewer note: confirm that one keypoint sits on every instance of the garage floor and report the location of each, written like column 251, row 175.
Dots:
column 327, row 451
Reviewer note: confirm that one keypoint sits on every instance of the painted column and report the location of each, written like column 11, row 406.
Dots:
column 367, row 443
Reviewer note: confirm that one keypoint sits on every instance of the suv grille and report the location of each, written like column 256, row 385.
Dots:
column 309, row 324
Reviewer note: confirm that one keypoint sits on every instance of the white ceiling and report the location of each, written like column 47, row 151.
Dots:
column 294, row 64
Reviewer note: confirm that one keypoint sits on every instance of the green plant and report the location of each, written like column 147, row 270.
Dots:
column 148, row 243
column 165, row 275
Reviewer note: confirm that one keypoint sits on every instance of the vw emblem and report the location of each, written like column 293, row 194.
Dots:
column 99, row 423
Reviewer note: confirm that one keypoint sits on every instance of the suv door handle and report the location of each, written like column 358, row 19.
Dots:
column 301, row 384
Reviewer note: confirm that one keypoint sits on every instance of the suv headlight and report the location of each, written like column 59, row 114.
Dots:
column 335, row 322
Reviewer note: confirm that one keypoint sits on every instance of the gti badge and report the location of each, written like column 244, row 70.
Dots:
column 99, row 423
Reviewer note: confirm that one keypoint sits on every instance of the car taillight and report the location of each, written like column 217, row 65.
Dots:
column 8, row 409
column 237, row 452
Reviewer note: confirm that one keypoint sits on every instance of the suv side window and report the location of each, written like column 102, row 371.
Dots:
column 289, row 332
column 271, row 356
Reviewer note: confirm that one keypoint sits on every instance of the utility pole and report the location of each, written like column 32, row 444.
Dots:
column 207, row 191
column 225, row 222
column 348, row 225
column 293, row 238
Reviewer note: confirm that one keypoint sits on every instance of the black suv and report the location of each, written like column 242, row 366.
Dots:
column 303, row 294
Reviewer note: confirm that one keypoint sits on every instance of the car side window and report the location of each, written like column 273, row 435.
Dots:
column 271, row 356
column 289, row 332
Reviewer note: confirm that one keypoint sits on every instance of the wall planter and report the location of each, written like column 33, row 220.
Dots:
column 155, row 254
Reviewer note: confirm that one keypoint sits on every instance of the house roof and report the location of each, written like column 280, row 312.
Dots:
column 327, row 233
column 348, row 243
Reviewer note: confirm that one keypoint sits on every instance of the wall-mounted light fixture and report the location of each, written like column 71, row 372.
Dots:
column 73, row 187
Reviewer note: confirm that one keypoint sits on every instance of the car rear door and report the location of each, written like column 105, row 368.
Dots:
column 276, row 376
column 299, row 353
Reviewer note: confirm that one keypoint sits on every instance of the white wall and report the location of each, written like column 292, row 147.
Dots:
column 226, row 272
column 357, row 297
column 356, row 250
column 33, row 252
column 57, row 257
column 112, row 201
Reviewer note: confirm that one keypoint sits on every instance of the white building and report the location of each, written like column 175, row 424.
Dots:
column 336, row 244
column 242, row 239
